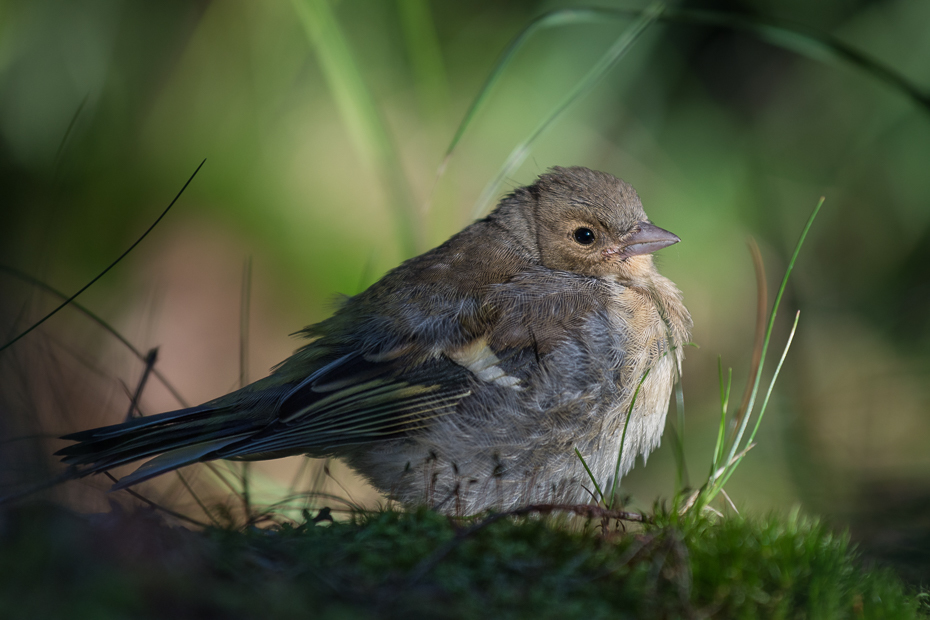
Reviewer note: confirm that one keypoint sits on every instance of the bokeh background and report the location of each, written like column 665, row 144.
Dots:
column 324, row 125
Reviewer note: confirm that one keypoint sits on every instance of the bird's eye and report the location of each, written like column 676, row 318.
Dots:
column 584, row 236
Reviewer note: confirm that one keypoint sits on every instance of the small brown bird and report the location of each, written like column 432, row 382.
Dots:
column 466, row 378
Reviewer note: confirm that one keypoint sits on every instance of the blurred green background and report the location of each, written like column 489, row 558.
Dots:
column 324, row 124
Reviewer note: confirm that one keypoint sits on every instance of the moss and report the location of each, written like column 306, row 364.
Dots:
column 54, row 564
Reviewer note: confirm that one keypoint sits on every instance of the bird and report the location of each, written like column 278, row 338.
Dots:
column 500, row 369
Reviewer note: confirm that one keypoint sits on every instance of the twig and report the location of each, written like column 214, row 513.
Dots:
column 149, row 365
column 176, row 515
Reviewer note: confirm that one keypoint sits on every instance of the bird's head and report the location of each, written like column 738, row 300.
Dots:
column 593, row 223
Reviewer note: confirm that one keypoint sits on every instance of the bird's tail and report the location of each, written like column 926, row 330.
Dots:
column 175, row 439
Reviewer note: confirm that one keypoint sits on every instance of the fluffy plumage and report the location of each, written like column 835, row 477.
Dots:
column 466, row 377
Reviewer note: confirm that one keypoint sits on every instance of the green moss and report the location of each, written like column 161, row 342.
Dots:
column 54, row 564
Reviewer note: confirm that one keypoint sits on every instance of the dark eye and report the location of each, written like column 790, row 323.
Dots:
column 584, row 236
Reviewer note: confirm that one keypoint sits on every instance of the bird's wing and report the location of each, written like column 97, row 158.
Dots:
column 357, row 398
column 369, row 390
column 351, row 399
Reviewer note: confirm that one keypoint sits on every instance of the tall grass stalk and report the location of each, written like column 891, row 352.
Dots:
column 815, row 46
column 621, row 45
column 721, row 472
column 626, row 423
column 724, row 401
column 361, row 116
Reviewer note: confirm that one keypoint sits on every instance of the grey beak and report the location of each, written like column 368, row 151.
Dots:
column 647, row 239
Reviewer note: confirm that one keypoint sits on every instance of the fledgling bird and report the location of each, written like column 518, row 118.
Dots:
column 466, row 377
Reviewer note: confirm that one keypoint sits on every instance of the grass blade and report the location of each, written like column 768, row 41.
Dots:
column 626, row 424
column 771, row 325
column 761, row 308
column 425, row 56
column 25, row 277
column 720, row 477
column 781, row 361
column 724, row 401
column 681, row 467
column 360, row 114
column 108, row 268
column 727, row 471
column 623, row 43
column 806, row 42
column 552, row 19
column 584, row 463
column 765, row 403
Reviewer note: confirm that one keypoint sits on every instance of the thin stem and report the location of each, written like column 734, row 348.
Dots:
column 724, row 400
column 768, row 331
column 597, row 487
column 623, row 43
column 96, row 319
column 109, row 267
column 626, row 424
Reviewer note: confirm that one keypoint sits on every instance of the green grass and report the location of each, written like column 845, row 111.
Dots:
column 54, row 564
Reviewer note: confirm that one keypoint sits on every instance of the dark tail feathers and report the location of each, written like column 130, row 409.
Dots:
column 175, row 439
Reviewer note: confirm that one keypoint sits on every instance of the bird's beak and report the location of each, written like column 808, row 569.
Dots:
column 646, row 239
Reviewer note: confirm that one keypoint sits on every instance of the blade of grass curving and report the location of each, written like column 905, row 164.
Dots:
column 597, row 487
column 804, row 41
column 681, row 466
column 425, row 57
column 768, row 335
column 724, row 401
column 626, row 424
column 723, row 468
column 761, row 308
column 622, row 44
column 729, row 471
column 781, row 361
column 71, row 125
column 99, row 321
column 360, row 114
column 104, row 272
column 771, row 325
column 349, row 506
column 245, row 302
column 551, row 19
